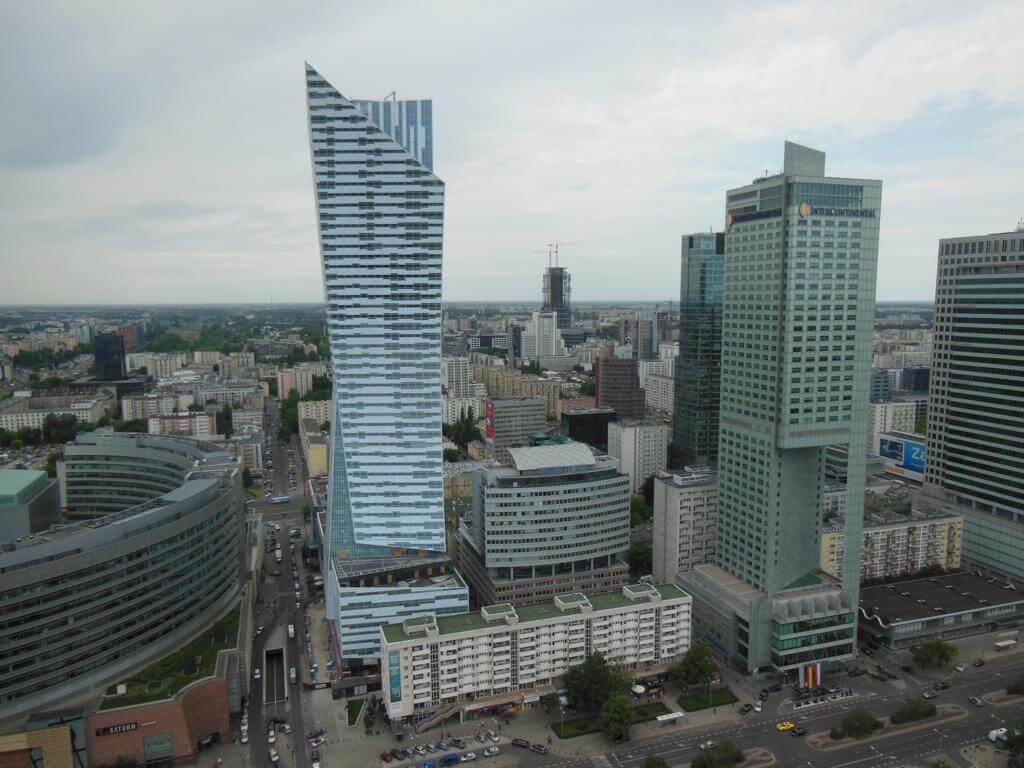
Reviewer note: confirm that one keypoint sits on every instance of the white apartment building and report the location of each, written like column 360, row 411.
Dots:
column 243, row 417
column 660, row 393
column 668, row 350
column 456, row 377
column 18, row 412
column 542, row 338
column 159, row 365
column 511, row 421
column 198, row 424
column 895, row 416
column 441, row 662
column 454, row 408
column 206, row 357
column 641, row 448
column 154, row 404
column 647, row 368
column 285, row 382
column 685, row 508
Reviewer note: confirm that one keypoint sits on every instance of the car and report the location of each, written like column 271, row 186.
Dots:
column 386, row 757
column 746, row 708
column 762, row 696
column 259, row 631
column 521, row 743
column 908, row 669
column 314, row 764
column 396, row 754
column 256, row 674
column 273, row 755
column 430, row 747
column 622, row 737
column 709, row 744
column 271, row 736
column 491, row 751
column 941, row 686
column 835, row 689
column 540, row 749
column 419, row 750
column 458, row 743
column 244, row 737
column 317, row 742
column 285, row 728
column 298, row 605
column 978, row 663
column 493, row 736
column 961, row 667
column 468, row 757
column 866, row 652
column 798, row 732
column 758, row 706
column 977, row 702
column 428, row 764
column 784, row 726
column 481, row 737
column 314, row 755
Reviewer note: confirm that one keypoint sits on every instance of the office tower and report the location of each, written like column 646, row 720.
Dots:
column 698, row 364
column 554, row 520
column 511, row 421
column 542, row 343
column 881, row 386
column 379, row 210
column 617, row 386
column 108, row 349
column 975, row 453
column 588, row 425
column 915, row 379
column 683, row 530
column 556, row 295
column 645, row 335
column 641, row 448
column 798, row 309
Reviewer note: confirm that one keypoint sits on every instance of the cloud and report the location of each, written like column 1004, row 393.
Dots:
column 167, row 145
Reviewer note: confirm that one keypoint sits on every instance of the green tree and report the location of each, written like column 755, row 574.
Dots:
column 550, row 704
column 59, row 429
column 193, row 408
column 246, row 477
column 1015, row 747
column 17, row 443
column 697, row 667
column 326, row 426
column 587, row 388
column 616, row 715
column 911, row 710
column 858, row 723
column 590, row 683
column 224, row 421
column 639, row 511
column 451, row 454
column 723, row 755
column 639, row 557
column 532, row 367
column 648, row 491
column 51, row 463
column 934, row 653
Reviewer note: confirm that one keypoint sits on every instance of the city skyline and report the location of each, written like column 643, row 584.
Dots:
column 157, row 183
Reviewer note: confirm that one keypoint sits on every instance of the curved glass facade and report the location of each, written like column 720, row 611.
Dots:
column 84, row 603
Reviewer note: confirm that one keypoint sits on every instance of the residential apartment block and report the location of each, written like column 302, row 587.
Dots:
column 510, row 423
column 889, row 417
column 442, row 663
column 318, row 410
column 198, row 424
column 641, row 448
column 17, row 412
column 683, row 529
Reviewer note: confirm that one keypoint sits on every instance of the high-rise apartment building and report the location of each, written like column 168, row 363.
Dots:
column 641, row 448
column 698, row 364
column 685, row 506
column 554, row 520
column 510, row 423
column 975, row 450
column 894, row 416
column 379, row 208
column 618, row 387
column 798, row 309
column 542, row 339
column 646, row 335
column 108, row 349
column 556, row 295
column 457, row 376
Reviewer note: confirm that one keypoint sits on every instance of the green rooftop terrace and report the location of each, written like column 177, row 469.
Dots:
column 466, row 622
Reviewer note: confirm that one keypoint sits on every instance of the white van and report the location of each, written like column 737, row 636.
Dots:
column 291, row 631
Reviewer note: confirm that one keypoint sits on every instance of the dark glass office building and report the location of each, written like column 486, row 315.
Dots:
column 695, row 423
column 556, row 295
column 108, row 349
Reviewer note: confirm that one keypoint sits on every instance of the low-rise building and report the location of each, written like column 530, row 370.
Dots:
column 897, row 544
column 641, row 448
column 17, row 412
column 683, row 529
column 890, row 416
column 437, row 663
column 314, row 446
column 29, row 502
column 198, row 424
column 317, row 410
column 152, row 404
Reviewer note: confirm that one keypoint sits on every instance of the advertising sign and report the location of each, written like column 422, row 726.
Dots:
column 902, row 456
column 394, row 676
column 490, row 419
column 119, row 728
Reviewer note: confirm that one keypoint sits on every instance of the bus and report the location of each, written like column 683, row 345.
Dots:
column 1005, row 645
column 281, row 500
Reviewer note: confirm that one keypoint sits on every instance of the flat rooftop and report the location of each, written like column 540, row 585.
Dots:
column 936, row 596
column 466, row 622
column 551, row 457
column 18, row 485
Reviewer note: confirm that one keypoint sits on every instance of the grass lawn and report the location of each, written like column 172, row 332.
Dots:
column 354, row 707
column 254, row 492
column 584, row 725
column 698, row 700
column 166, row 677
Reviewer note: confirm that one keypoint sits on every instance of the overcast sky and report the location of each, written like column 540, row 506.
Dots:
column 157, row 153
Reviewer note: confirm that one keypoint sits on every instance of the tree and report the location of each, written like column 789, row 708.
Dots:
column 697, row 667
column 616, row 715
column 326, row 426
column 648, row 491
column 532, row 367
column 639, row 556
column 921, row 425
column 858, row 723
column 587, row 388
column 451, row 454
column 639, row 511
column 1015, row 747
column 911, row 710
column 550, row 703
column 655, row 762
column 246, row 477
column 193, row 408
column 590, row 683
column 59, row 429
column 934, row 653
column 724, row 755
column 224, row 426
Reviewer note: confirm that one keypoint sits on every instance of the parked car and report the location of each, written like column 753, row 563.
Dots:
column 908, row 669
column 978, row 663
column 273, row 755
column 396, row 754
column 521, row 743
column 942, row 686
column 961, row 667
column 468, row 757
column 622, row 737
column 386, row 757
column 491, row 751
column 746, row 709
column 256, row 674
column 459, row 743
column 271, row 736
column 540, row 749
column 758, row 706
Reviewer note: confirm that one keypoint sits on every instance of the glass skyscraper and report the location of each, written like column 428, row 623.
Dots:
column 695, row 421
column 556, row 295
column 380, row 210
column 801, row 253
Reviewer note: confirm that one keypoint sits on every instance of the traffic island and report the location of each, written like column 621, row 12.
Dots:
column 1001, row 698
column 823, row 741
column 752, row 758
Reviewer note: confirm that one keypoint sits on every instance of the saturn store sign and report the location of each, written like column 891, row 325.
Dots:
column 119, row 728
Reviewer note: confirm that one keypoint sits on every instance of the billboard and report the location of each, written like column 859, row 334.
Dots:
column 490, row 419
column 902, row 455
column 394, row 677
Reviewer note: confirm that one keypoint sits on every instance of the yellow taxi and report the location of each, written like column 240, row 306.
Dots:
column 784, row 726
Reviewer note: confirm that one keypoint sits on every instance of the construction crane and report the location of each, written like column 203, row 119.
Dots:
column 552, row 251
